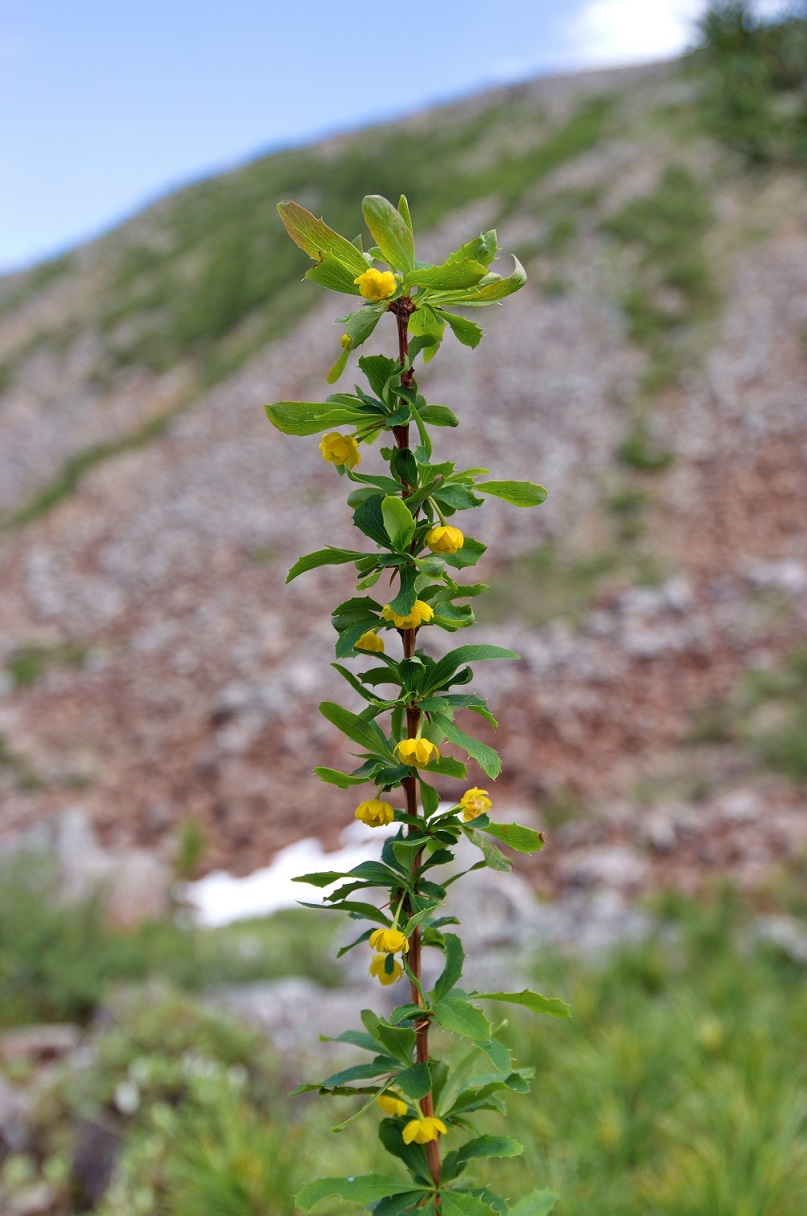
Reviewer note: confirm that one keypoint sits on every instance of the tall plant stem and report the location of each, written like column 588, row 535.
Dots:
column 402, row 310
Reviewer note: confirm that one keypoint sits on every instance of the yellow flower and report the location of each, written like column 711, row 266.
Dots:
column 378, row 968
column 391, row 1105
column 475, row 802
column 421, row 1131
column 340, row 449
column 388, row 941
column 346, row 341
column 417, row 752
column 421, row 614
column 445, row 539
column 371, row 641
column 376, row 285
column 375, row 813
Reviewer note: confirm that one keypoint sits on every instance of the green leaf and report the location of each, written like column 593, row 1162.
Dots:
column 379, row 370
column 311, row 417
column 398, row 521
column 482, row 1147
column 473, row 653
column 322, row 557
column 537, row 1203
column 403, row 207
column 465, row 331
column 487, row 293
column 365, row 1190
column 494, row 858
column 359, row 1072
column 332, row 776
column 468, row 555
column 554, row 1006
column 315, row 238
column 523, row 840
column 390, row 231
column 485, row 756
column 482, row 248
column 338, row 367
column 359, row 325
column 455, row 957
column 415, row 1082
column 368, row 519
column 519, row 493
column 447, row 766
column 456, row 1014
column 459, row 1203
column 404, row 601
column 334, row 275
column 356, row 728
column 396, row 1041
column 438, row 415
column 451, row 276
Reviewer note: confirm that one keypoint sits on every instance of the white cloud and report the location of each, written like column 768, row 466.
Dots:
column 613, row 32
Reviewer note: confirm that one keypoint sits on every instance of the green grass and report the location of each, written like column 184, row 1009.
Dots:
column 31, row 661
column 753, row 82
column 546, row 585
column 766, row 715
column 57, row 964
column 676, row 1088
column 672, row 288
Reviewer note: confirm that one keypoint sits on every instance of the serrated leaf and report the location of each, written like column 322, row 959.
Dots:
column 460, row 1203
column 538, row 1203
column 365, row 1190
column 334, row 275
column 482, row 248
column 455, row 957
column 450, row 276
column 465, row 331
column 487, row 293
column 415, row 1082
column 315, row 238
column 487, row 759
column 519, row 493
column 398, row 521
column 554, row 1006
column 481, row 1148
column 311, row 417
column 468, row 555
column 523, row 840
column 390, row 231
column 322, row 557
column 368, row 519
column 494, row 858
column 359, row 325
column 456, row 1014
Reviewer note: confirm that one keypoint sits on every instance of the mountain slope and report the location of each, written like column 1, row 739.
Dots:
column 651, row 375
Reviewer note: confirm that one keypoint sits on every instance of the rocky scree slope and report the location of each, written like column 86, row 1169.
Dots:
column 651, row 375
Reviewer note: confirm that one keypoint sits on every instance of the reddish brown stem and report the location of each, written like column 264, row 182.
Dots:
column 403, row 309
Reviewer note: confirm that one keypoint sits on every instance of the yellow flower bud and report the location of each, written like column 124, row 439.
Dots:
column 371, row 641
column 378, row 968
column 376, row 285
column 445, row 539
column 340, row 449
column 388, row 941
column 375, row 813
column 346, row 341
column 417, row 752
column 421, row 1131
column 475, row 802
column 391, row 1105
column 421, row 614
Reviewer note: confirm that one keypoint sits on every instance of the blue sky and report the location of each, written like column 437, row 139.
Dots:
column 108, row 105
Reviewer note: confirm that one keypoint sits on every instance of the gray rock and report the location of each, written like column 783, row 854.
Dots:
column 14, row 1113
